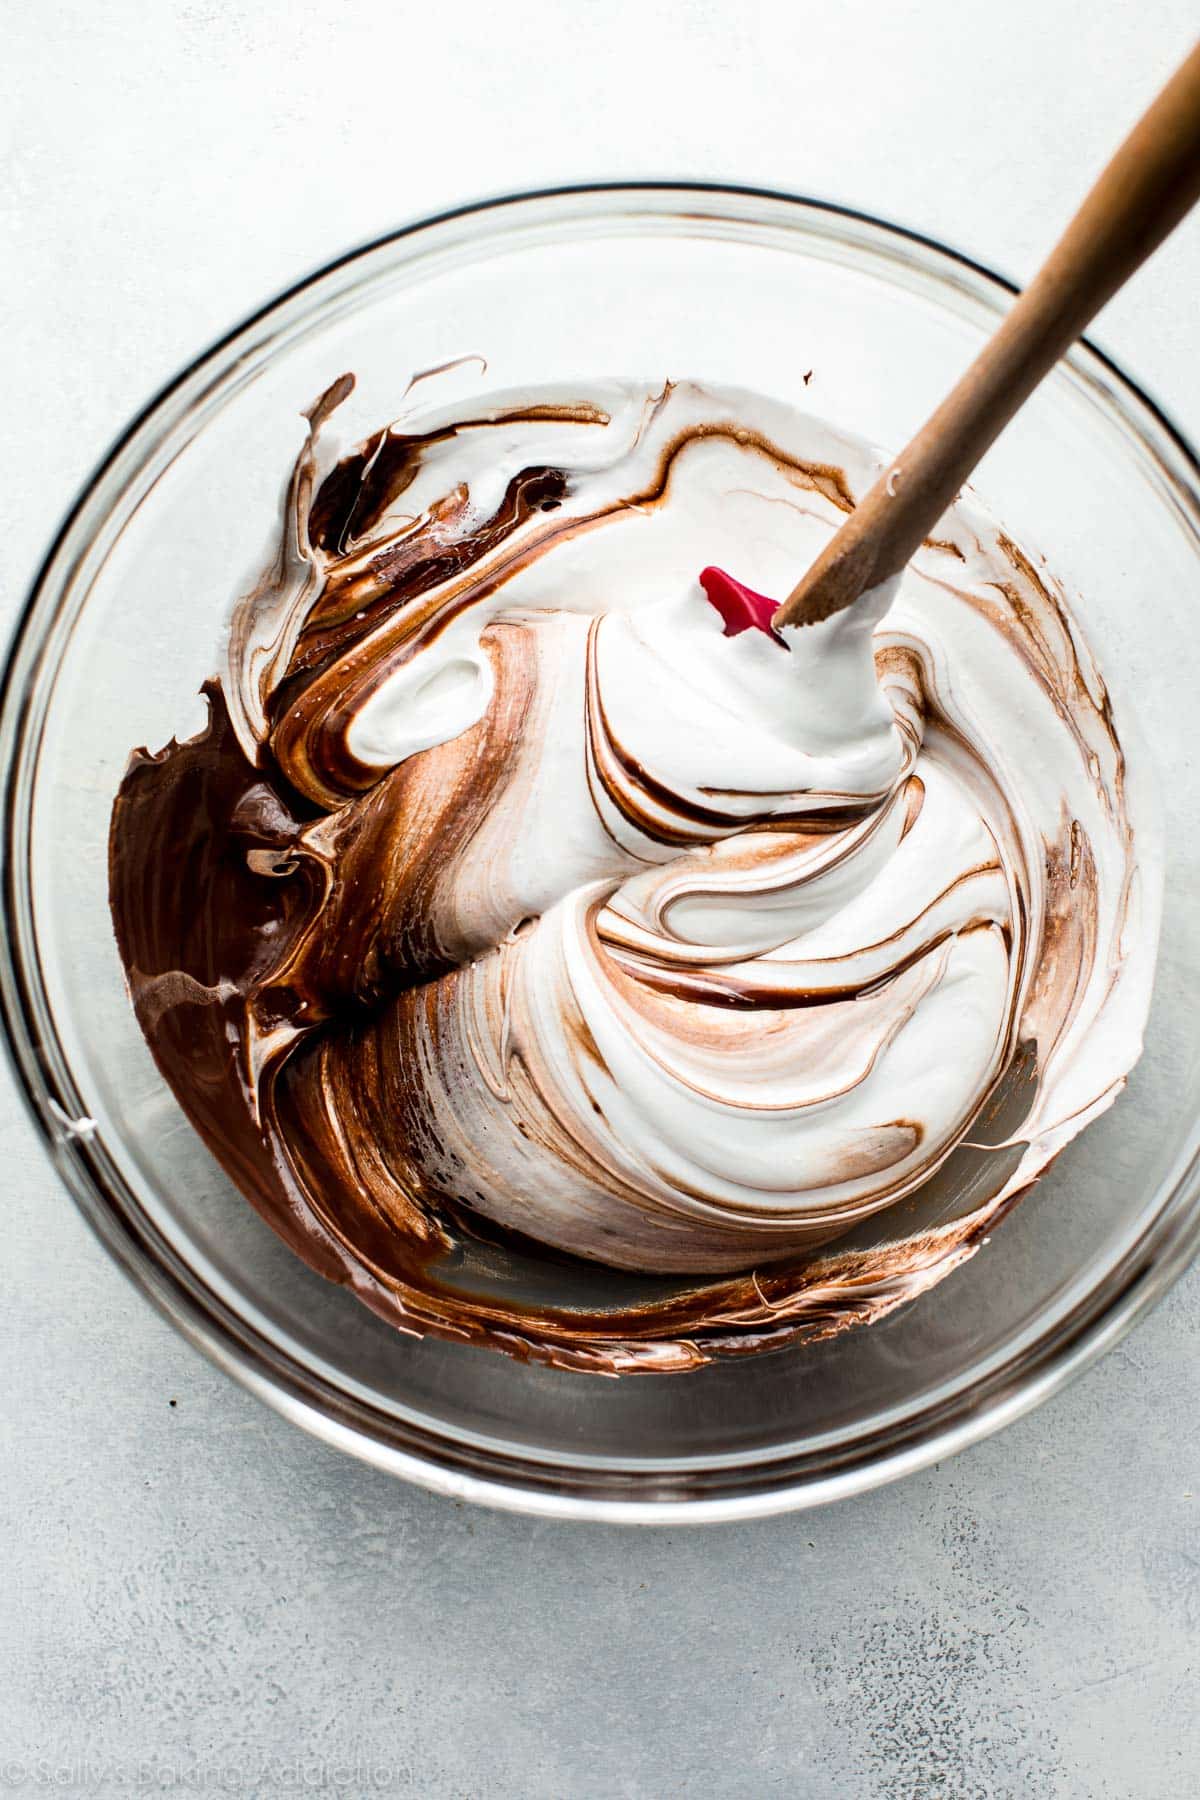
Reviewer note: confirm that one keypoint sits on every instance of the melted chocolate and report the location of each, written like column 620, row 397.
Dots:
column 273, row 921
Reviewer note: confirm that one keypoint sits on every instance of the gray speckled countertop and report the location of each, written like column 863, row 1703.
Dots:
column 196, row 1596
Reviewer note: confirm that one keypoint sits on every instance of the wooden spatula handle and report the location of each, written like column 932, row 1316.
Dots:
column 1151, row 182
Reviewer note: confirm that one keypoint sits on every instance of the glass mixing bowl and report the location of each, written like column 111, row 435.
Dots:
column 851, row 318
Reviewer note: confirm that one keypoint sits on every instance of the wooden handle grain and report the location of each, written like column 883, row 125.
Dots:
column 1147, row 188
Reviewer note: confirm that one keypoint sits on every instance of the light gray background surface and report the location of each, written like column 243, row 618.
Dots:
column 186, row 1582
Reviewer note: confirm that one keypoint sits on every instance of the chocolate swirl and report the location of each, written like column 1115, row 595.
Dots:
column 510, row 912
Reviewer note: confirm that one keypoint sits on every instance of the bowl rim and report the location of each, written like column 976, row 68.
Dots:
column 1134, row 1282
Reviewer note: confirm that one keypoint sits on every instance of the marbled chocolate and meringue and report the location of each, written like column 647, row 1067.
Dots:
column 527, row 889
